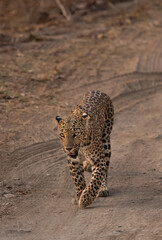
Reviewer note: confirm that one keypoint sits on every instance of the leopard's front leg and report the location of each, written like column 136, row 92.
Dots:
column 77, row 173
column 99, row 174
column 90, row 193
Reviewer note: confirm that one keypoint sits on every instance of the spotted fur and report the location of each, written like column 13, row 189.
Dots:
column 85, row 136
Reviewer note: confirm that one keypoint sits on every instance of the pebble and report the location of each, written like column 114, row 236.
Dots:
column 2, row 193
column 9, row 195
column 1, row 184
column 117, row 231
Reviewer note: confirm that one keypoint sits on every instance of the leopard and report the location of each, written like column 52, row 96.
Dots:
column 85, row 137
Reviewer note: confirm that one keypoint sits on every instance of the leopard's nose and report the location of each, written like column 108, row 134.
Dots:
column 68, row 149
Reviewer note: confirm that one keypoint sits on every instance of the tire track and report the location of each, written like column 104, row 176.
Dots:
column 151, row 60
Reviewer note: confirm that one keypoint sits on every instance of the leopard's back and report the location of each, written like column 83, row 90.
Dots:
column 95, row 102
column 99, row 106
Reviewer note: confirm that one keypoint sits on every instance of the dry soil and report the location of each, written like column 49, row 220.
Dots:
column 44, row 73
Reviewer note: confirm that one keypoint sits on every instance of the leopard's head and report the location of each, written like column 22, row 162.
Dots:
column 73, row 132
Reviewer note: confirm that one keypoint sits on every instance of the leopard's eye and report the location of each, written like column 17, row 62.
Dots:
column 62, row 135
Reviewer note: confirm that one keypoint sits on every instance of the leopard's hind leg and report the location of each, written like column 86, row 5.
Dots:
column 104, row 192
column 109, row 117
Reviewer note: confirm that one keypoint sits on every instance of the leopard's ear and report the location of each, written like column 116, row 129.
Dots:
column 58, row 119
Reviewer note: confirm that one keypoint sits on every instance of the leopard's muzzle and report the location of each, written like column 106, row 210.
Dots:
column 73, row 153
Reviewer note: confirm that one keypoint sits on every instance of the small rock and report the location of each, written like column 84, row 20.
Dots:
column 100, row 35
column 117, row 231
column 1, row 184
column 16, row 178
column 1, row 193
column 6, row 191
column 9, row 195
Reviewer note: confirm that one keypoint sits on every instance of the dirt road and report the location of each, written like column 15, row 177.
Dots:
column 44, row 73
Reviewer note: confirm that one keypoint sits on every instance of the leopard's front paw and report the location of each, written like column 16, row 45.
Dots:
column 85, row 199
